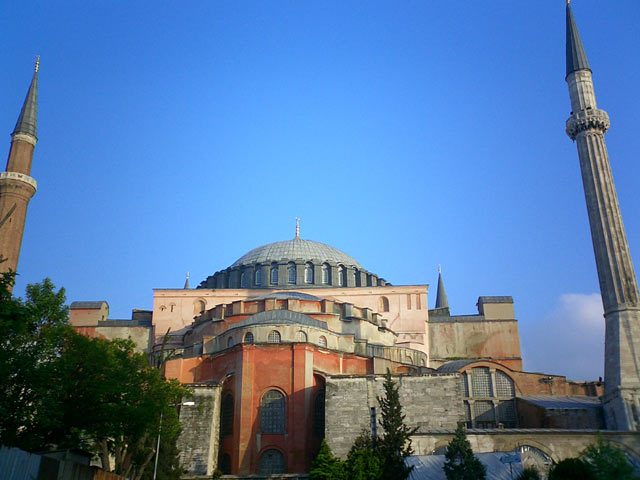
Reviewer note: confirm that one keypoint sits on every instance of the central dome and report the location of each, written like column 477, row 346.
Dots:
column 295, row 249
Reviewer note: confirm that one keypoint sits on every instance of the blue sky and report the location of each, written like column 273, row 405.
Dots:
column 176, row 136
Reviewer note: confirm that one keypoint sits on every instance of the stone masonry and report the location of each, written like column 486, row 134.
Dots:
column 429, row 402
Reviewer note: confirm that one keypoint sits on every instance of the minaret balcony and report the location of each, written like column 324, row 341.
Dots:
column 20, row 177
column 588, row 119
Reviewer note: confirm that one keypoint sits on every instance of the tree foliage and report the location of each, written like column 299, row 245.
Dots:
column 364, row 461
column 461, row 463
column 59, row 389
column 529, row 473
column 607, row 462
column 326, row 466
column 395, row 444
column 571, row 469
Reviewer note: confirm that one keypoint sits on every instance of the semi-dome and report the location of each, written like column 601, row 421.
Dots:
column 297, row 248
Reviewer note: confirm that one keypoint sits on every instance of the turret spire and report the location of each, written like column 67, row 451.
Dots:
column 576, row 58
column 441, row 295
column 297, row 227
column 28, row 119
column 186, row 282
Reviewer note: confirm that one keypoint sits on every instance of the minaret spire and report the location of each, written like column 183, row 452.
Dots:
column 297, row 227
column 186, row 282
column 16, row 186
column 441, row 295
column 618, row 286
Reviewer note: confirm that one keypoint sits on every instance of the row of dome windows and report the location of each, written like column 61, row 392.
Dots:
column 291, row 275
column 275, row 337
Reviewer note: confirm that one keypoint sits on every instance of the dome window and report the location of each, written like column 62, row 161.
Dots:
column 248, row 338
column 258, row 275
column 342, row 276
column 230, row 342
column 308, row 272
column 274, row 274
column 301, row 336
column 322, row 341
column 326, row 274
column 243, row 280
column 274, row 337
column 291, row 273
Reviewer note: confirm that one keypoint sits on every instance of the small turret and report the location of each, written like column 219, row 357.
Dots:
column 441, row 295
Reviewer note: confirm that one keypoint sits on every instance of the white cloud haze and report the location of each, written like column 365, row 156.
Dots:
column 569, row 341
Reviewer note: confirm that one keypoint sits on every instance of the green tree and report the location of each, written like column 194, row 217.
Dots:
column 607, row 462
column 571, row 469
column 364, row 461
column 395, row 444
column 461, row 463
column 326, row 466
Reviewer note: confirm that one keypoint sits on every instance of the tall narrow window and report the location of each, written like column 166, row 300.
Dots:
column 318, row 415
column 342, row 276
column 274, row 274
column 308, row 273
column 408, row 301
column 243, row 280
column 291, row 273
column 326, row 274
column 272, row 410
column 258, row 275
column 383, row 304
column 226, row 415
column 358, row 279
column 418, row 302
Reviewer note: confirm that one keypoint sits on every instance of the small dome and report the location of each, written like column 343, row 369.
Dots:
column 293, row 249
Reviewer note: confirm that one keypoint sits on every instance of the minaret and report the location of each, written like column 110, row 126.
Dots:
column 618, row 287
column 441, row 295
column 16, row 186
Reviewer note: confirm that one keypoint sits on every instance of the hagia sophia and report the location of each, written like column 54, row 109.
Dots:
column 289, row 344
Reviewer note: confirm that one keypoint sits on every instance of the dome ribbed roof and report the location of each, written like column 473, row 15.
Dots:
column 293, row 249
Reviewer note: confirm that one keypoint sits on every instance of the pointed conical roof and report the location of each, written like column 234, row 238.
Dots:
column 441, row 295
column 576, row 58
column 28, row 119
column 186, row 282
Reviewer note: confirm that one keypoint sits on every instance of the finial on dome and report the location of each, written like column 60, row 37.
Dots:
column 297, row 227
column 37, row 63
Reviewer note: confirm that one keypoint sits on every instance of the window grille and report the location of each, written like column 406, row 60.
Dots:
column 481, row 382
column 291, row 272
column 308, row 273
column 483, row 414
column 274, row 274
column 318, row 415
column 322, row 341
column 464, row 385
column 271, row 462
column 507, row 413
column 248, row 338
column 226, row 415
column 504, row 385
column 274, row 337
column 301, row 336
column 272, row 412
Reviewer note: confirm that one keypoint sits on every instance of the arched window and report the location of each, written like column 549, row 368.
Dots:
column 308, row 273
column 383, row 304
column 229, row 342
column 322, row 341
column 248, row 338
column 318, row 415
column 301, row 336
column 342, row 276
column 272, row 410
column 271, row 462
column 226, row 415
column 504, row 385
column 274, row 337
column 258, row 275
column 326, row 274
column 198, row 307
column 358, row 279
column 274, row 274
column 291, row 273
column 243, row 280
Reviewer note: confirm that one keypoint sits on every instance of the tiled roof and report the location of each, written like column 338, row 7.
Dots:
column 88, row 305
column 558, row 402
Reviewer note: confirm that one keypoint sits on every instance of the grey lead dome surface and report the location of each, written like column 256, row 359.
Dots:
column 293, row 249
